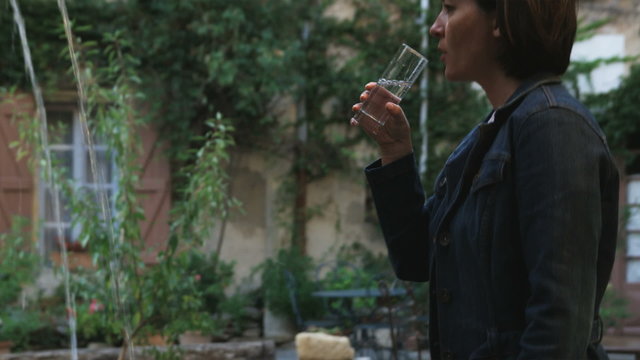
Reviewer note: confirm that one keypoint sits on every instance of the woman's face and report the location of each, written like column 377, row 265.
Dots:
column 468, row 41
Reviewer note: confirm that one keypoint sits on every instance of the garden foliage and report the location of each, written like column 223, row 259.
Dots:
column 213, row 74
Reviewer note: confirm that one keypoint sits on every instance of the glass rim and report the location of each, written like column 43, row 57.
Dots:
column 413, row 51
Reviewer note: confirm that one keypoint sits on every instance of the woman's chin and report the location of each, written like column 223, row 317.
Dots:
column 452, row 75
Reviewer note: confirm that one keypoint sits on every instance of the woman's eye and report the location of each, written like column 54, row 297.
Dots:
column 448, row 8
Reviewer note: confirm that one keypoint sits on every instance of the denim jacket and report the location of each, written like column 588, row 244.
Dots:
column 518, row 239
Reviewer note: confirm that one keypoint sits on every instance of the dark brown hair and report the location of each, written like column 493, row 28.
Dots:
column 537, row 34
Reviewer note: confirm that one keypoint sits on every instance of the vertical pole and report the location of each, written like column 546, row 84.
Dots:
column 424, row 91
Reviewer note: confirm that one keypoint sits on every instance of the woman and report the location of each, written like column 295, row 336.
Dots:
column 518, row 238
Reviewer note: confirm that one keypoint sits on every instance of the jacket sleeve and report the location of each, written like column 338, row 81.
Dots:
column 403, row 215
column 559, row 161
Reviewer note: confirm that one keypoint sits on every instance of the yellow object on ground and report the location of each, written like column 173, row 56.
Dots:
column 320, row 346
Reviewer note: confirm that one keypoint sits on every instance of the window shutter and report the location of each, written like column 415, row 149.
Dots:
column 16, row 180
column 154, row 193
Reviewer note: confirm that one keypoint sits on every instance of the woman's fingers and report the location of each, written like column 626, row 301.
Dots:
column 399, row 119
column 355, row 108
column 393, row 109
column 363, row 97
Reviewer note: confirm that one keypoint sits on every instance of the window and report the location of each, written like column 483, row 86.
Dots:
column 69, row 152
column 633, row 230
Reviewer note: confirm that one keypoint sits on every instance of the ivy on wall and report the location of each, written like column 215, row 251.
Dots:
column 242, row 59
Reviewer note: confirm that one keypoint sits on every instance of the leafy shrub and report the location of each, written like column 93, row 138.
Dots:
column 18, row 265
column 352, row 266
column 275, row 287
column 30, row 329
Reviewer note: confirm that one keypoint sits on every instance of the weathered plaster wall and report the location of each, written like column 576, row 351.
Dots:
column 251, row 234
column 624, row 16
column 258, row 230
column 342, row 218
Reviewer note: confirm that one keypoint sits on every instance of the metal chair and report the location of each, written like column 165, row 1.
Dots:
column 301, row 323
column 405, row 320
column 411, row 325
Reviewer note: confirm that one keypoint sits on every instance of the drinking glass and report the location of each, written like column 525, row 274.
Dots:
column 395, row 82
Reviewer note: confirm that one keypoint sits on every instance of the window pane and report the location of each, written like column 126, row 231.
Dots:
column 51, row 237
column 634, row 218
column 103, row 165
column 633, row 271
column 98, row 139
column 633, row 192
column 94, row 195
column 62, row 160
column 49, row 214
column 633, row 244
column 60, row 126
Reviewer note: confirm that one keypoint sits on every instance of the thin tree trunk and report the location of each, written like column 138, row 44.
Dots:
column 300, row 205
column 299, row 235
column 225, row 214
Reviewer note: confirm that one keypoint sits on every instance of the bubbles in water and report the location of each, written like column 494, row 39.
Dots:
column 397, row 87
column 400, row 83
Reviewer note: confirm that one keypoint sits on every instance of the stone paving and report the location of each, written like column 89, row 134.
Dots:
column 287, row 351
column 250, row 350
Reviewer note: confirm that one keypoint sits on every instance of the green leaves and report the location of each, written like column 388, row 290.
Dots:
column 206, row 192
column 619, row 113
column 19, row 262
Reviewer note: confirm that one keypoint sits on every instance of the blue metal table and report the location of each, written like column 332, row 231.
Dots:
column 358, row 293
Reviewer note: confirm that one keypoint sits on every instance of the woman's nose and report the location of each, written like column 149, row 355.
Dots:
column 437, row 29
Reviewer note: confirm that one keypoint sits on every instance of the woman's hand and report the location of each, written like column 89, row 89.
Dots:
column 394, row 137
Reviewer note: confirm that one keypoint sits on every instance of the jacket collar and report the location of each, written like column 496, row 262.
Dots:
column 528, row 86
column 524, row 89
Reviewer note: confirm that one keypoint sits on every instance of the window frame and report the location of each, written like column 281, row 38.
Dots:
column 631, row 205
column 79, row 163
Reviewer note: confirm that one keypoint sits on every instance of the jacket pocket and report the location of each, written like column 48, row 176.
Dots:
column 499, row 345
column 491, row 170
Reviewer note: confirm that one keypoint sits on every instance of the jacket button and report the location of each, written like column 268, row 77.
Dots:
column 447, row 355
column 444, row 296
column 444, row 239
column 443, row 182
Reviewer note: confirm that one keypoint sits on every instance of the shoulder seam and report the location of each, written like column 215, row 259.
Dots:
column 549, row 95
column 566, row 108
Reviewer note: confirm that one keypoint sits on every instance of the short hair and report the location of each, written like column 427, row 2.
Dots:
column 537, row 35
